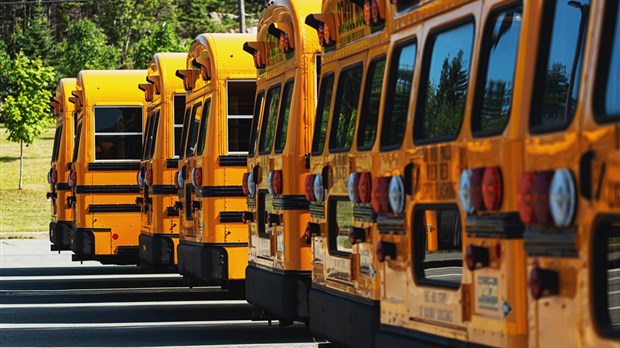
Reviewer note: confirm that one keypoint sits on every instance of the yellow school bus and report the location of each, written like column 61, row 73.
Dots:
column 165, row 95
column 569, row 191
column 220, row 80
column 106, row 157
column 62, row 216
column 342, row 162
column 286, row 57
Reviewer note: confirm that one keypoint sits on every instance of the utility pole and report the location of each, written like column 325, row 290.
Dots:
column 242, row 16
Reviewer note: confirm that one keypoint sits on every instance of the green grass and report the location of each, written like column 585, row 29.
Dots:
column 25, row 210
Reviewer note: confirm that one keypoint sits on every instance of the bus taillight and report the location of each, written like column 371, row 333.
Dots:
column 492, row 188
column 244, row 183
column 381, row 194
column 309, row 186
column 72, row 179
column 54, row 176
column 352, row 187
column 543, row 282
column 547, row 197
column 364, row 187
column 178, row 180
column 197, row 177
column 476, row 255
column 148, row 177
column 274, row 182
column 139, row 178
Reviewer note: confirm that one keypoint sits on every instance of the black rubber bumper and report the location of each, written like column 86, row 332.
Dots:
column 83, row 247
column 284, row 295
column 157, row 250
column 344, row 320
column 82, row 242
column 60, row 235
column 203, row 263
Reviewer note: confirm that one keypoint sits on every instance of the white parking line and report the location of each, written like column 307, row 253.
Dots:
column 131, row 324
column 125, row 304
column 92, row 276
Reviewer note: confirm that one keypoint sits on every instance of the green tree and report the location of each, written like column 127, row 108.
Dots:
column 85, row 48
column 37, row 40
column 162, row 39
column 25, row 109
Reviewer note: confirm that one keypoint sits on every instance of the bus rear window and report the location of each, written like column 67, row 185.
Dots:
column 606, row 274
column 179, row 108
column 57, row 138
column 367, row 131
column 559, row 64
column 607, row 102
column 322, row 114
column 270, row 115
column 152, row 137
column 285, row 111
column 192, row 133
column 256, row 117
column 118, row 133
column 204, row 122
column 240, row 107
column 340, row 210
column 345, row 109
column 437, row 245
column 147, row 135
column 76, row 148
column 496, row 72
column 400, row 84
column 443, row 87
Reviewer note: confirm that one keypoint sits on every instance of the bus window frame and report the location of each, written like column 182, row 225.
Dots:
column 146, row 144
column 264, row 118
column 332, row 233
column 366, row 101
column 338, row 100
column 78, row 135
column 153, row 139
column 184, row 131
column 177, row 125
column 192, row 120
column 427, row 54
column 57, row 140
column 141, row 133
column 237, row 117
column 254, row 131
column 611, row 22
column 482, row 71
column 290, row 83
column 201, row 142
column 321, row 102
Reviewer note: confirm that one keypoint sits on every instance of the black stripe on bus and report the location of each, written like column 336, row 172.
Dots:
column 113, row 208
column 504, row 226
column 163, row 190
column 85, row 189
column 62, row 186
column 233, row 161
column 172, row 163
column 290, row 202
column 231, row 216
column 105, row 166
column 220, row 191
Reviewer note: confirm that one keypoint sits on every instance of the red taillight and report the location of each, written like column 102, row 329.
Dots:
column 54, row 176
column 148, row 177
column 376, row 194
column 197, row 177
column 356, row 188
column 364, row 187
column 276, row 182
column 492, row 188
column 309, row 185
column 381, row 194
column 72, row 178
column 176, row 180
column 542, row 182
column 525, row 198
column 115, row 236
column 244, row 183
column 476, row 189
column 543, row 282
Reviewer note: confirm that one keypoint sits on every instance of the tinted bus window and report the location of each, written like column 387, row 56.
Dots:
column 402, row 5
column 57, row 138
column 285, row 111
column 367, row 131
column 497, row 67
column 253, row 133
column 400, row 84
column 184, row 131
column 443, row 88
column 118, row 133
column 76, row 149
column 606, row 273
column 240, row 105
column 270, row 115
column 608, row 103
column 345, row 109
column 340, row 224
column 147, row 135
column 192, row 133
column 179, row 107
column 154, row 135
column 204, row 121
column 559, row 64
column 322, row 114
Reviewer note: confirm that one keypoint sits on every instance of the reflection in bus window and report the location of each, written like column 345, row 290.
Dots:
column 192, row 134
column 285, row 111
column 147, row 134
column 437, row 246
column 179, row 107
column 367, row 131
column 340, row 225
column 322, row 114
column 204, row 121
column 402, row 5
column 345, row 109
column 153, row 137
column 255, row 118
column 561, row 52
column 611, row 66
column 118, row 133
column 498, row 63
column 399, row 90
column 270, row 115
column 56, row 148
column 443, row 88
column 184, row 131
column 240, row 105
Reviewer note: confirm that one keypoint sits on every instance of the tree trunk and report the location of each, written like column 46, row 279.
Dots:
column 21, row 164
column 241, row 16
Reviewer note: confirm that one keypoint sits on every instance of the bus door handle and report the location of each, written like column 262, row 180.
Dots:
column 585, row 174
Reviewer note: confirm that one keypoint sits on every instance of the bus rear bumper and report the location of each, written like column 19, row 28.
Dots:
column 345, row 320
column 60, row 235
column 284, row 295
column 391, row 336
column 83, row 247
column 157, row 249
column 206, row 264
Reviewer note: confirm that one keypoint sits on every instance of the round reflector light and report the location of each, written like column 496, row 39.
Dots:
column 384, row 194
column 562, row 197
column 139, row 178
column 352, row 187
column 277, row 182
column 244, row 183
column 476, row 189
column 54, row 176
column 309, row 186
column 251, row 184
column 319, row 191
column 72, row 178
column 180, row 182
column 49, row 176
column 525, row 198
column 364, row 187
column 397, row 194
column 270, row 182
column 148, row 178
column 492, row 188
column 465, row 191
column 542, row 182
column 197, row 177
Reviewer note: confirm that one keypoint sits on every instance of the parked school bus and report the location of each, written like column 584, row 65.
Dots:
column 62, row 216
column 569, row 188
column 220, row 82
column 344, row 274
column 286, row 56
column 165, row 95
column 105, row 160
